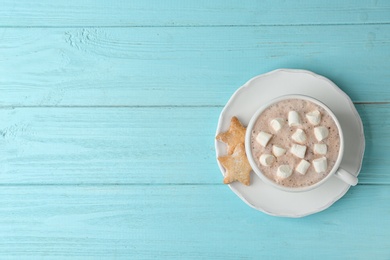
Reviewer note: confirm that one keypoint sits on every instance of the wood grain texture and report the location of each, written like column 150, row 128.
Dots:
column 184, row 222
column 189, row 13
column 182, row 66
column 139, row 145
column 108, row 111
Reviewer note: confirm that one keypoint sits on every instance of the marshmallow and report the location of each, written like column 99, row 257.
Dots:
column 298, row 150
column 321, row 132
column 320, row 149
column 284, row 171
column 320, row 164
column 293, row 118
column 314, row 117
column 263, row 138
column 267, row 159
column 278, row 151
column 302, row 167
column 277, row 124
column 299, row 136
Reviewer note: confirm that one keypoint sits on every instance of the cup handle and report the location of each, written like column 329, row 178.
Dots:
column 347, row 177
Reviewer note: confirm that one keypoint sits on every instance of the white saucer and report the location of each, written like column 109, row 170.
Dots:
column 247, row 99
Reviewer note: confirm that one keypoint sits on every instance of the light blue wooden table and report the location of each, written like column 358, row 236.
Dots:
column 108, row 116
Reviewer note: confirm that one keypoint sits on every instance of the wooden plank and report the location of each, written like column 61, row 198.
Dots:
column 377, row 133
column 108, row 145
column 138, row 145
column 187, row 13
column 184, row 222
column 155, row 66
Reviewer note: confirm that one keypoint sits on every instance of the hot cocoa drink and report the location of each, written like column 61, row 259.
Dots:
column 295, row 142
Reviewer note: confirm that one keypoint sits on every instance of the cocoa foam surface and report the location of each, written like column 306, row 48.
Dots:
column 283, row 139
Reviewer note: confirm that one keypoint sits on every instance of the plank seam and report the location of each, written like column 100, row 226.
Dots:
column 161, row 106
column 136, row 184
column 194, row 26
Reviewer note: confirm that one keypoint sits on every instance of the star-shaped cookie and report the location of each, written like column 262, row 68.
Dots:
column 237, row 166
column 234, row 136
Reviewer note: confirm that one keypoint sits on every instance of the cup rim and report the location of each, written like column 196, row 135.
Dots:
column 252, row 162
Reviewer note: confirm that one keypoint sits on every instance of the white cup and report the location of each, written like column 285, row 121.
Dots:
column 336, row 170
